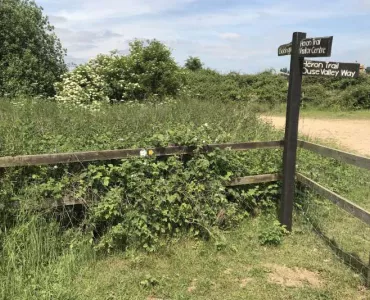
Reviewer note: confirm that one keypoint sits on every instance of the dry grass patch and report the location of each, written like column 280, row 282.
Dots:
column 293, row 277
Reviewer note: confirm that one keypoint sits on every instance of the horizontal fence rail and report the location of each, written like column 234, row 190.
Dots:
column 263, row 178
column 356, row 160
column 240, row 181
column 340, row 201
column 58, row 158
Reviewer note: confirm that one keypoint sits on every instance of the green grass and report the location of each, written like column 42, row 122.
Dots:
column 351, row 182
column 325, row 113
column 235, row 266
column 31, row 127
column 38, row 260
column 244, row 269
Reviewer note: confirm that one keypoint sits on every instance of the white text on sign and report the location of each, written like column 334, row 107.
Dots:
column 331, row 69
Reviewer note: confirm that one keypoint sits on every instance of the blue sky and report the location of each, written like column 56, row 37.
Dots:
column 232, row 35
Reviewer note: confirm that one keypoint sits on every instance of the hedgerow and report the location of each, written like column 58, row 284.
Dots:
column 268, row 89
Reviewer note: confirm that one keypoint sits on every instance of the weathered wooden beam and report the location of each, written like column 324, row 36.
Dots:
column 356, row 160
column 58, row 158
column 254, row 179
column 340, row 201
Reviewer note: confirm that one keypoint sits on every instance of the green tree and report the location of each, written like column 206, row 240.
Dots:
column 284, row 70
column 367, row 70
column 155, row 71
column 193, row 63
column 31, row 55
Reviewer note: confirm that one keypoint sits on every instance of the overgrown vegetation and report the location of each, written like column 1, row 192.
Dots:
column 136, row 203
column 140, row 100
column 149, row 194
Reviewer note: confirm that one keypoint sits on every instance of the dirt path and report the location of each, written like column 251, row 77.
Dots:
column 351, row 134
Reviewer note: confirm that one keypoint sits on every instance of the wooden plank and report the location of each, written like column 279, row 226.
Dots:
column 356, row 160
column 57, row 158
column 254, row 179
column 340, row 201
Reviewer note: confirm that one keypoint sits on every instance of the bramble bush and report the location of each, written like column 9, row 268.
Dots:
column 272, row 231
column 141, row 202
column 147, row 72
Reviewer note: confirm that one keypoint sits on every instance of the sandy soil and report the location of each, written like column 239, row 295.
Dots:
column 353, row 135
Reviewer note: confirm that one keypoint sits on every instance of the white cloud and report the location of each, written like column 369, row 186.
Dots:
column 230, row 36
column 244, row 33
column 57, row 19
column 94, row 10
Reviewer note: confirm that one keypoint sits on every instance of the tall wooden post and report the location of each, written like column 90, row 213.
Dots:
column 291, row 131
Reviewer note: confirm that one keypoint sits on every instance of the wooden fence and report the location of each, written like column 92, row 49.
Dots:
column 356, row 160
column 345, row 204
column 89, row 156
column 58, row 158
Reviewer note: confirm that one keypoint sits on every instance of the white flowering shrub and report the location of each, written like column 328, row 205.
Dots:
column 147, row 72
column 82, row 87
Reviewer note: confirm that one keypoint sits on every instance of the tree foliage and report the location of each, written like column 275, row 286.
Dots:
column 31, row 55
column 193, row 63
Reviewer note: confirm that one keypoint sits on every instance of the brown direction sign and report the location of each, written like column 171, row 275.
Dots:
column 316, row 47
column 312, row 47
column 285, row 49
column 330, row 69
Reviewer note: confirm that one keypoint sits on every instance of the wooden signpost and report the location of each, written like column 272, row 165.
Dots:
column 299, row 48
column 291, row 130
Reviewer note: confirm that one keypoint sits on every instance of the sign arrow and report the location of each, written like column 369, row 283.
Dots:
column 285, row 49
column 316, row 47
column 312, row 47
column 330, row 69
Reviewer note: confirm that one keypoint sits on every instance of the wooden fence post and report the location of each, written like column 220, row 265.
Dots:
column 291, row 131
